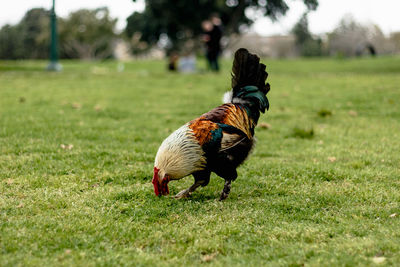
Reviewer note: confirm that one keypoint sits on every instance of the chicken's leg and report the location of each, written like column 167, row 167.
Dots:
column 187, row 192
column 227, row 189
column 200, row 178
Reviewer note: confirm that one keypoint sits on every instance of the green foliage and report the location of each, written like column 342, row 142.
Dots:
column 332, row 199
column 10, row 43
column 312, row 48
column 28, row 39
column 306, row 43
column 300, row 30
column 181, row 20
column 87, row 34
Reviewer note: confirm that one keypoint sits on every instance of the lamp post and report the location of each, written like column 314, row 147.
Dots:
column 53, row 65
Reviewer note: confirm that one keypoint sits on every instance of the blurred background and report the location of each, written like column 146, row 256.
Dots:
column 126, row 29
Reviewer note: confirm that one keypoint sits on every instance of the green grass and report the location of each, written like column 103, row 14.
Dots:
column 317, row 190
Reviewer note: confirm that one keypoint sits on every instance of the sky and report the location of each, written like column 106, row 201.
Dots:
column 383, row 13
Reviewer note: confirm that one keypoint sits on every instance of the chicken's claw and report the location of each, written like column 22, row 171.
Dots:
column 183, row 194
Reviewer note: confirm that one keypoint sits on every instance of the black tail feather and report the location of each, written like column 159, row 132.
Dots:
column 247, row 70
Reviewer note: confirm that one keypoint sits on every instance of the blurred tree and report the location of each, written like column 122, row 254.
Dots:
column 300, row 30
column 307, row 45
column 87, row 34
column 10, row 43
column 351, row 38
column 28, row 39
column 84, row 34
column 36, row 32
column 395, row 39
column 174, row 22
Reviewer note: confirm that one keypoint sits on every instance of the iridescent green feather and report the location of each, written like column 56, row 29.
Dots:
column 252, row 93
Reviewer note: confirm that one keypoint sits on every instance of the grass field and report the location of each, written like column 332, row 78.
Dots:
column 76, row 159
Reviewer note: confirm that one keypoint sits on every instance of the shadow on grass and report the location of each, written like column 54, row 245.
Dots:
column 303, row 133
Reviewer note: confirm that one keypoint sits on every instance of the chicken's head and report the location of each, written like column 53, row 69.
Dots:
column 160, row 182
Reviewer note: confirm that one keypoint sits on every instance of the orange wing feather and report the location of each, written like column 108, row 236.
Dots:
column 230, row 114
column 202, row 128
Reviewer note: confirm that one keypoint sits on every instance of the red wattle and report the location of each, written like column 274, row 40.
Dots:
column 164, row 186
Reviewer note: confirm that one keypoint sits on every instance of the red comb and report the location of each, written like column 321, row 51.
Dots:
column 155, row 182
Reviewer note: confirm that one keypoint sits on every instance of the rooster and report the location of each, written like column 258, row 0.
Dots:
column 219, row 140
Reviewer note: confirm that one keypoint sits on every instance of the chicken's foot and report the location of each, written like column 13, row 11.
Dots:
column 187, row 192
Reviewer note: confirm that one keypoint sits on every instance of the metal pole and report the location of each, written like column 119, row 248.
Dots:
column 53, row 65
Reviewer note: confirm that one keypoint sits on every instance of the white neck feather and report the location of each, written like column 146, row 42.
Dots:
column 180, row 154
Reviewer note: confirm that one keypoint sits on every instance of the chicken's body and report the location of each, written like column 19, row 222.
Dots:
column 219, row 140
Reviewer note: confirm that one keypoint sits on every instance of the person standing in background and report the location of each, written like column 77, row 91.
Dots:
column 212, row 37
